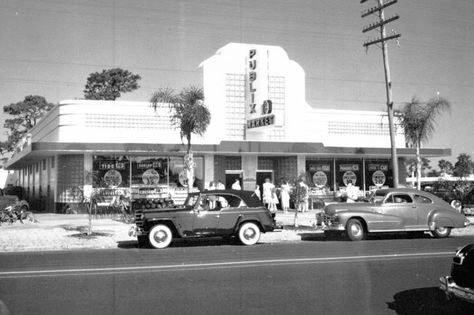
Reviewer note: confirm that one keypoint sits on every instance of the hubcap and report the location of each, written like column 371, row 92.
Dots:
column 356, row 230
column 160, row 236
column 249, row 234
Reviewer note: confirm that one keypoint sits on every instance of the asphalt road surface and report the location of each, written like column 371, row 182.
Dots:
column 379, row 276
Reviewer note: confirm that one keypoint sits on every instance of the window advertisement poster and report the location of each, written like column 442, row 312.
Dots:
column 349, row 171
column 321, row 173
column 377, row 174
column 149, row 171
column 111, row 172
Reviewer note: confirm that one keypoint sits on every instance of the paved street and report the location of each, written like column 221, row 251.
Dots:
column 378, row 276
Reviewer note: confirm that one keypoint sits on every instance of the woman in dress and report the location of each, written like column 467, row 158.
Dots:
column 285, row 196
column 267, row 192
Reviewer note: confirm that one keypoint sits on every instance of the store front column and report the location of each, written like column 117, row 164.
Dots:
column 208, row 169
column 249, row 166
column 87, row 174
column 300, row 164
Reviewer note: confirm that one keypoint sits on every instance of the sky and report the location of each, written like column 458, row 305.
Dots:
column 49, row 47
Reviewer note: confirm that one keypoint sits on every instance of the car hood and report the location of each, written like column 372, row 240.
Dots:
column 334, row 208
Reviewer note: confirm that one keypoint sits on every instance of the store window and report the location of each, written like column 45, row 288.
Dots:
column 349, row 170
column 177, row 175
column 320, row 174
column 111, row 173
column 378, row 174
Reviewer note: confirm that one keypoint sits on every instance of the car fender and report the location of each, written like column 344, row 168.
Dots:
column 247, row 218
column 364, row 216
column 170, row 222
column 438, row 218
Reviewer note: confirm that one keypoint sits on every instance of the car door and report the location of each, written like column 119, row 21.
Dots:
column 232, row 206
column 206, row 216
column 400, row 212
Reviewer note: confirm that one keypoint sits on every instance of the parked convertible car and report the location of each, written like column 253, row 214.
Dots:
column 393, row 210
column 460, row 283
column 225, row 213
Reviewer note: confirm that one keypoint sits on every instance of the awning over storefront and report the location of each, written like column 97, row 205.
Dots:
column 40, row 150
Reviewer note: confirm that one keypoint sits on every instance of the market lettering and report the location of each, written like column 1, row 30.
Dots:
column 261, row 121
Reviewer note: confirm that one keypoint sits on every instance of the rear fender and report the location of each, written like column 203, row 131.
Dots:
column 439, row 219
column 247, row 218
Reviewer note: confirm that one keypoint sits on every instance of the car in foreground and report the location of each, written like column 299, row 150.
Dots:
column 460, row 284
column 393, row 210
column 224, row 213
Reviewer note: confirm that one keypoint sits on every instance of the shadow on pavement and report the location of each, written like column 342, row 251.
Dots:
column 427, row 301
column 340, row 236
column 211, row 241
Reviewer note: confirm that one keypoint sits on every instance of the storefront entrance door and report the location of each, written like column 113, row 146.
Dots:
column 230, row 179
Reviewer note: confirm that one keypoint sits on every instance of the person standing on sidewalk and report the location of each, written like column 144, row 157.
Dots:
column 267, row 192
column 301, row 199
column 285, row 196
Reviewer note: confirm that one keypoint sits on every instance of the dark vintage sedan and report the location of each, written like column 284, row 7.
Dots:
column 460, row 283
column 225, row 213
column 393, row 210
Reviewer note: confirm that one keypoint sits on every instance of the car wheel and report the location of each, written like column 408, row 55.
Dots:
column 355, row 230
column 249, row 233
column 441, row 232
column 160, row 236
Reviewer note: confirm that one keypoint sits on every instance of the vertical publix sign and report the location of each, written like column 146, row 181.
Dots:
column 259, row 106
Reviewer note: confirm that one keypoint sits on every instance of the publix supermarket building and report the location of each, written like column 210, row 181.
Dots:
column 261, row 127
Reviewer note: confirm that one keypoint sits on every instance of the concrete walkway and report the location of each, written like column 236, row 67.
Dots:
column 66, row 232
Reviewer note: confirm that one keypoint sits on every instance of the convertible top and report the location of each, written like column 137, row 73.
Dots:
column 249, row 197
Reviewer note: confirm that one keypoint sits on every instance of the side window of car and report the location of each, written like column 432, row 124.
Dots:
column 402, row 198
column 235, row 201
column 422, row 199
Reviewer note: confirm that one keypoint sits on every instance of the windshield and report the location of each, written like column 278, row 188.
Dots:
column 191, row 200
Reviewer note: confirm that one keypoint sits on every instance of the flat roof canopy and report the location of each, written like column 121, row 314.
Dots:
column 40, row 150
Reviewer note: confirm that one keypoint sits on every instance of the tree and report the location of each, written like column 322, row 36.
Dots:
column 189, row 114
column 418, row 122
column 25, row 114
column 109, row 84
column 411, row 165
column 464, row 166
column 445, row 167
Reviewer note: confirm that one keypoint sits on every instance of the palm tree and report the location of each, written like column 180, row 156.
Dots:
column 418, row 122
column 189, row 114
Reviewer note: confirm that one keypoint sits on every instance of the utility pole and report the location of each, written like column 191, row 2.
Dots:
column 380, row 24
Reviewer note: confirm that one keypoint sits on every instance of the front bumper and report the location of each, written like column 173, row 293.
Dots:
column 328, row 222
column 135, row 231
column 451, row 289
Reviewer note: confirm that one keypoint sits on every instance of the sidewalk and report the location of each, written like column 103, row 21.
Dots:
column 63, row 231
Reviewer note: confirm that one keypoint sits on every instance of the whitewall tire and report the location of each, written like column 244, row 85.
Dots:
column 160, row 236
column 249, row 233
